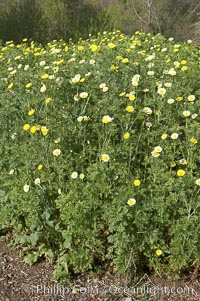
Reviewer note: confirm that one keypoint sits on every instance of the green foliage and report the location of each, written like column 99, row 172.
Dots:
column 175, row 18
column 100, row 152
column 47, row 20
column 19, row 21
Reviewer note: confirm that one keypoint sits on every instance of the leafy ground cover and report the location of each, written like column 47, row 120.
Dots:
column 20, row 282
column 100, row 153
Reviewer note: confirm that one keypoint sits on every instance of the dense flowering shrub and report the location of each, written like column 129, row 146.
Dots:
column 100, row 152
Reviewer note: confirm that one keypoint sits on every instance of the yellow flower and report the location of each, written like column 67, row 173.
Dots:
column 76, row 78
column 172, row 72
column 29, row 85
column 111, row 45
column 184, row 68
column 122, row 94
column 42, row 63
column 57, row 140
column 114, row 68
column 10, row 86
column 102, row 85
column 197, row 182
column 174, row 136
column 125, row 60
column 74, row 175
column 170, row 101
column 43, row 88
column 26, row 127
column 155, row 154
column 150, row 72
column 105, row 157
column 13, row 72
column 131, row 202
column 164, row 136
column 136, row 182
column 148, row 125
column 83, row 95
column 44, row 76
column 48, row 100
column 179, row 98
column 176, row 64
column 183, row 161
column 56, row 152
column 106, row 119
column 44, row 130
column 26, row 188
column 168, row 85
column 105, row 89
column 76, row 97
column 81, row 176
column 130, row 109
column 33, row 129
column 161, row 91
column 94, row 47
column 180, row 173
column 183, row 62
column 86, row 118
column 194, row 116
column 37, row 181
column 31, row 112
column 193, row 140
column 158, row 149
column 147, row 110
column 126, row 135
column 40, row 166
column 186, row 113
column 191, row 97
column 131, row 97
column 172, row 164
column 80, row 118
column 80, row 48
column 159, row 252
column 119, row 57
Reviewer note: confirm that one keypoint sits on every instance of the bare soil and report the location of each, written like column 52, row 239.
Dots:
column 20, row 282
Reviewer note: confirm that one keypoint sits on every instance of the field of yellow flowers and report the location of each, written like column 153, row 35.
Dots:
column 100, row 152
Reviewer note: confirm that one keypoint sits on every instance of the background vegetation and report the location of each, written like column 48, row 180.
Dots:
column 46, row 20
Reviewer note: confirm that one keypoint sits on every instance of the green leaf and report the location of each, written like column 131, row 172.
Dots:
column 34, row 238
column 31, row 258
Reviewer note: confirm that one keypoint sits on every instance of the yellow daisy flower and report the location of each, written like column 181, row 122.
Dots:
column 159, row 252
column 26, row 127
column 26, row 188
column 131, row 202
column 130, row 109
column 56, row 152
column 31, row 112
column 180, row 173
column 136, row 182
column 106, row 119
column 105, row 157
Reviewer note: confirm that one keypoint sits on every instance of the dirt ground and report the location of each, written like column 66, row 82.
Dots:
column 20, row 282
